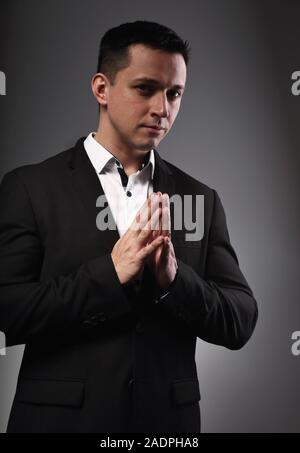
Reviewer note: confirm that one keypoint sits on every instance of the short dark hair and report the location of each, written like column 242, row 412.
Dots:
column 113, row 52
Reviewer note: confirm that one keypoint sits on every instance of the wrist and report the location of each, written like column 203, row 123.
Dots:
column 162, row 292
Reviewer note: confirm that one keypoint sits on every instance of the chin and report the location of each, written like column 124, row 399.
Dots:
column 148, row 145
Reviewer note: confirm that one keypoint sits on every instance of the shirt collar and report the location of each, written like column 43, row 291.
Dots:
column 101, row 158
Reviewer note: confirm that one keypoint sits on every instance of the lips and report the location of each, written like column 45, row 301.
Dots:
column 154, row 127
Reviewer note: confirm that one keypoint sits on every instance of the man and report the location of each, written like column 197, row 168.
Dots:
column 110, row 317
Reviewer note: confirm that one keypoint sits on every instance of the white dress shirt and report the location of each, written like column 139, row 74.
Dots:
column 124, row 201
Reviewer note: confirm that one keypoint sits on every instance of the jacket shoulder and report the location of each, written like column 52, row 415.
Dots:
column 187, row 180
column 45, row 168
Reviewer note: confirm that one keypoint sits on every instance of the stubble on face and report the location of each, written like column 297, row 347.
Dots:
column 143, row 95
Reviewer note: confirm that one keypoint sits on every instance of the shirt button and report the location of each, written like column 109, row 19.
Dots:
column 100, row 317
column 130, row 382
column 86, row 324
column 128, row 193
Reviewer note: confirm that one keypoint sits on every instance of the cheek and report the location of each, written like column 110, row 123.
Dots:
column 134, row 113
column 136, row 103
column 123, row 111
column 173, row 114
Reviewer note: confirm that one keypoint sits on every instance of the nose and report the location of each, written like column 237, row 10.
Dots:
column 160, row 106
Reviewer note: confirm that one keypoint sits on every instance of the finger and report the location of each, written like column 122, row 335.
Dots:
column 150, row 248
column 151, row 225
column 156, row 228
column 166, row 216
column 158, row 232
column 139, row 217
column 165, row 251
column 154, row 205
column 172, row 251
column 168, row 257
column 143, row 214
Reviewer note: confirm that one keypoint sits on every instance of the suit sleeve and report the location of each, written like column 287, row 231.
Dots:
column 88, row 297
column 219, row 308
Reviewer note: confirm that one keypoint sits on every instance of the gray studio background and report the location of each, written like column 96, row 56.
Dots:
column 236, row 132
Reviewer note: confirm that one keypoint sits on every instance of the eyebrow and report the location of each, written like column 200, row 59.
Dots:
column 155, row 82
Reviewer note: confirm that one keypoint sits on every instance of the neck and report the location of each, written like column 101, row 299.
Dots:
column 130, row 159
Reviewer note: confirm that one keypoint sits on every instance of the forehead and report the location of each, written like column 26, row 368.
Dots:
column 168, row 68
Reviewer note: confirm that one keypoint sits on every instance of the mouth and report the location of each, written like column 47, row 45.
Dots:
column 153, row 128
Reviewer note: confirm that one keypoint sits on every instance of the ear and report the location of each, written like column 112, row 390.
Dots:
column 100, row 84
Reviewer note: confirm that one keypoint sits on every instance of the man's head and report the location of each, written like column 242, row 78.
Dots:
column 139, row 83
column 113, row 52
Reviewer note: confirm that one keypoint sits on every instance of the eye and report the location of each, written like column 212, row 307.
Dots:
column 144, row 89
column 174, row 94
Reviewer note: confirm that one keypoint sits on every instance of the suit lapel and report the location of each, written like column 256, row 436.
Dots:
column 88, row 188
column 163, row 180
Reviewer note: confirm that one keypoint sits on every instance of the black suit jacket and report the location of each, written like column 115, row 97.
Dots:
column 98, row 356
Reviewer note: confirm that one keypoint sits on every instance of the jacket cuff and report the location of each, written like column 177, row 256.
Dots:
column 160, row 294
column 108, row 298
